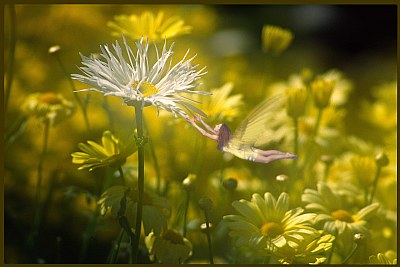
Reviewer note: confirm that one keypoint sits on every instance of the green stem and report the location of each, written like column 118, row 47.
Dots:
column 81, row 105
column 187, row 199
column 11, row 56
column 121, row 174
column 317, row 123
column 378, row 173
column 350, row 254
column 307, row 165
column 326, row 171
column 38, row 208
column 366, row 194
column 296, row 136
column 210, row 250
column 140, row 144
column 115, row 252
column 295, row 148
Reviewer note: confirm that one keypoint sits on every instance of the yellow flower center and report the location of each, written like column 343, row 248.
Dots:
column 146, row 88
column 342, row 215
column 271, row 229
column 173, row 237
column 50, row 98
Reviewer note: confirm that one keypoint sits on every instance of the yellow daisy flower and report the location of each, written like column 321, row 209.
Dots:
column 276, row 39
column 112, row 152
column 148, row 25
column 333, row 211
column 388, row 258
column 266, row 223
column 311, row 250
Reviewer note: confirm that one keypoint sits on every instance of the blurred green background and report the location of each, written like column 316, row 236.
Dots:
column 360, row 41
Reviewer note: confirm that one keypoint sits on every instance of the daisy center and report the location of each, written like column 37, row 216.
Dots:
column 271, row 229
column 146, row 88
column 50, row 98
column 173, row 237
column 342, row 215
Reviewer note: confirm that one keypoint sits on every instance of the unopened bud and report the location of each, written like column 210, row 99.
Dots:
column 382, row 160
column 230, row 184
column 189, row 182
column 205, row 203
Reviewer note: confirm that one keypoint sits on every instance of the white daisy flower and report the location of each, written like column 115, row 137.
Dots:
column 135, row 80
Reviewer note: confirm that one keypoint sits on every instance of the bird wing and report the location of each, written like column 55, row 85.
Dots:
column 256, row 123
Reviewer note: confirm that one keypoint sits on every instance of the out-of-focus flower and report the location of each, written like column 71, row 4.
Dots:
column 332, row 210
column 222, row 106
column 275, row 39
column 170, row 248
column 364, row 170
column 135, row 80
column 296, row 102
column 389, row 258
column 383, row 112
column 343, row 86
column 148, row 25
column 112, row 152
column 189, row 182
column 307, row 75
column 267, row 223
column 322, row 91
column 50, row 107
column 156, row 210
column 311, row 250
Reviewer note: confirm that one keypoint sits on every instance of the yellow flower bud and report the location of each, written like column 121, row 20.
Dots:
column 205, row 203
column 230, row 184
column 322, row 91
column 382, row 160
column 364, row 170
column 296, row 102
column 189, row 181
column 306, row 74
column 275, row 39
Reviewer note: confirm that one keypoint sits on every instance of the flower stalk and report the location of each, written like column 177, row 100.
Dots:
column 381, row 161
column 38, row 208
column 140, row 144
column 210, row 250
column 206, row 204
column 187, row 200
column 114, row 255
column 350, row 254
